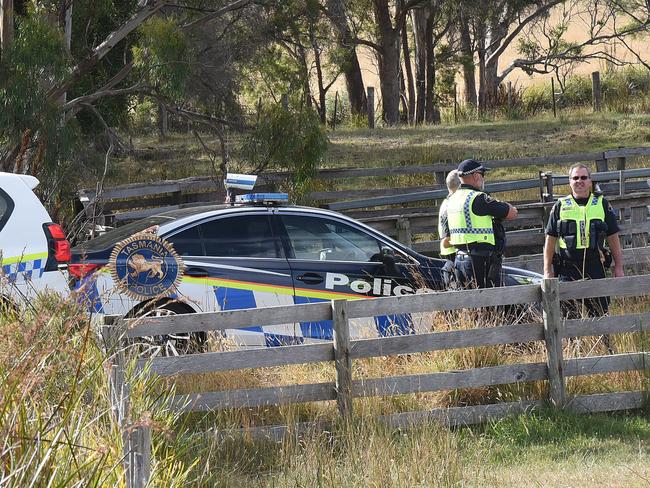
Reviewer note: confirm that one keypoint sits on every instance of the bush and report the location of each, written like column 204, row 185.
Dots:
column 288, row 139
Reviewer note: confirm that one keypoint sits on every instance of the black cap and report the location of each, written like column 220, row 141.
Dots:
column 470, row 166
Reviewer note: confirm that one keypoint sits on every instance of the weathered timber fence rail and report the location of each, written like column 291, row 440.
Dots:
column 343, row 350
column 506, row 186
column 134, row 201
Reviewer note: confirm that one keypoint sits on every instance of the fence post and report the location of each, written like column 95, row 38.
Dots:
column 371, row 107
column 455, row 104
column 620, row 163
column 510, row 95
column 553, row 97
column 336, row 106
column 136, row 441
column 595, row 89
column 342, row 359
column 404, row 235
column 553, row 333
column 639, row 215
column 621, row 182
column 601, row 164
column 546, row 186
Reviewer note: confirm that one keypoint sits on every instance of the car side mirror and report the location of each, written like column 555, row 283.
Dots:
column 389, row 260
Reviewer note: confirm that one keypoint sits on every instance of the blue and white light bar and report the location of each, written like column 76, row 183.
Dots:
column 264, row 198
column 243, row 182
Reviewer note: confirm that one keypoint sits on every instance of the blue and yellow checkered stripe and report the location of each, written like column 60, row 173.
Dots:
column 26, row 267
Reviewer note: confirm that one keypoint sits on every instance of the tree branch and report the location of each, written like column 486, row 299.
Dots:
column 217, row 13
column 510, row 37
column 93, row 97
column 83, row 67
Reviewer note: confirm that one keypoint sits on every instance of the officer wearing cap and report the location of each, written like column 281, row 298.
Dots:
column 475, row 228
column 576, row 232
column 447, row 251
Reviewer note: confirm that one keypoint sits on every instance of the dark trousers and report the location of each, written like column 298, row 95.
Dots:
column 447, row 270
column 477, row 271
column 573, row 271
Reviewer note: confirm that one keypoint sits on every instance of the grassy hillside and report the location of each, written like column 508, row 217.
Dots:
column 181, row 155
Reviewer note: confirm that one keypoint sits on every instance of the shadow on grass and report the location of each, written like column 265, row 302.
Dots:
column 556, row 436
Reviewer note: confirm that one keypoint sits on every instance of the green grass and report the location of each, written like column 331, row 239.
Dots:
column 180, row 155
column 541, row 449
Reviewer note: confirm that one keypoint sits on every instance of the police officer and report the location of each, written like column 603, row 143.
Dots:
column 447, row 251
column 475, row 228
column 576, row 232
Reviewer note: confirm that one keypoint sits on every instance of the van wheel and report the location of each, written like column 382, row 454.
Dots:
column 171, row 344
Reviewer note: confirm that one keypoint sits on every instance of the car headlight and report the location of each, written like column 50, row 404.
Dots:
column 526, row 279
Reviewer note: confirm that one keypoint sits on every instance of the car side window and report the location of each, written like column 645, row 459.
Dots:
column 6, row 207
column 239, row 237
column 322, row 239
column 187, row 242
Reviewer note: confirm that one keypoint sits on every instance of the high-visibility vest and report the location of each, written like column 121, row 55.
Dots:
column 444, row 251
column 465, row 226
column 582, row 216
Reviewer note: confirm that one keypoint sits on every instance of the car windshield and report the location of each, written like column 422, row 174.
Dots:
column 116, row 235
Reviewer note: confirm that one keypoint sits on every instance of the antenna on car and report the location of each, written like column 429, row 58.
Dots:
column 237, row 181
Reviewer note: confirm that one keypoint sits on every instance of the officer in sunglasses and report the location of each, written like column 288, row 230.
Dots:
column 475, row 229
column 577, row 229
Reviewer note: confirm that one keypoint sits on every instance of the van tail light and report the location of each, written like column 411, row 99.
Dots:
column 58, row 246
column 79, row 270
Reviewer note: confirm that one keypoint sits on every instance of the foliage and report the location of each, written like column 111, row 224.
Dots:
column 35, row 61
column 162, row 56
column 287, row 139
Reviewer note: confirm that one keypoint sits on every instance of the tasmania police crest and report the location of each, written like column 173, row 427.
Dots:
column 145, row 266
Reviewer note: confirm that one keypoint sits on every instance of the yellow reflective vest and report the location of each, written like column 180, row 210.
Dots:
column 570, row 211
column 465, row 226
column 444, row 251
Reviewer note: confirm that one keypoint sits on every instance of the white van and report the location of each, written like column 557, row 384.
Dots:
column 33, row 250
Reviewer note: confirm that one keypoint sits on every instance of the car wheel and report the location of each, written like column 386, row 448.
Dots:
column 171, row 344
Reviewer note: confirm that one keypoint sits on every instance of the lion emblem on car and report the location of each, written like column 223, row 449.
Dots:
column 139, row 264
column 145, row 266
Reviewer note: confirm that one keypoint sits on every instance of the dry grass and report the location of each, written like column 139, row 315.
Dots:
column 57, row 426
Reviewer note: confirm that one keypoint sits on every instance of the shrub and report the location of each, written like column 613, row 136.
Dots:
column 288, row 139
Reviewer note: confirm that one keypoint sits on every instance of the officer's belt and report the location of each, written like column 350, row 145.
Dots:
column 484, row 253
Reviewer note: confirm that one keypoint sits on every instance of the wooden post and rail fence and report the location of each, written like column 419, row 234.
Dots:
column 129, row 202
column 551, row 331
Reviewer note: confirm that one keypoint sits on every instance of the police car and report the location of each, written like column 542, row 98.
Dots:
column 263, row 252
column 33, row 248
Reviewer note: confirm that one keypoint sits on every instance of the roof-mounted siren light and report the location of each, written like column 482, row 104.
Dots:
column 237, row 181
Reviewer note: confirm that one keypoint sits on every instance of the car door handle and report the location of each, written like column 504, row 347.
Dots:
column 196, row 272
column 311, row 278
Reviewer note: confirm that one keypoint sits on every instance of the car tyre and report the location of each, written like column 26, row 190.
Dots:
column 170, row 344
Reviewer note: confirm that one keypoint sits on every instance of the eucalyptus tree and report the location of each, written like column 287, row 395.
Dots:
column 73, row 71
column 338, row 11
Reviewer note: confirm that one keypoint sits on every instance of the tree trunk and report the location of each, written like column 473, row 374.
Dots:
column 388, row 59
column 351, row 67
column 322, row 91
column 408, row 71
column 162, row 121
column 419, row 19
column 469, row 73
column 432, row 114
column 491, row 83
column 6, row 25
